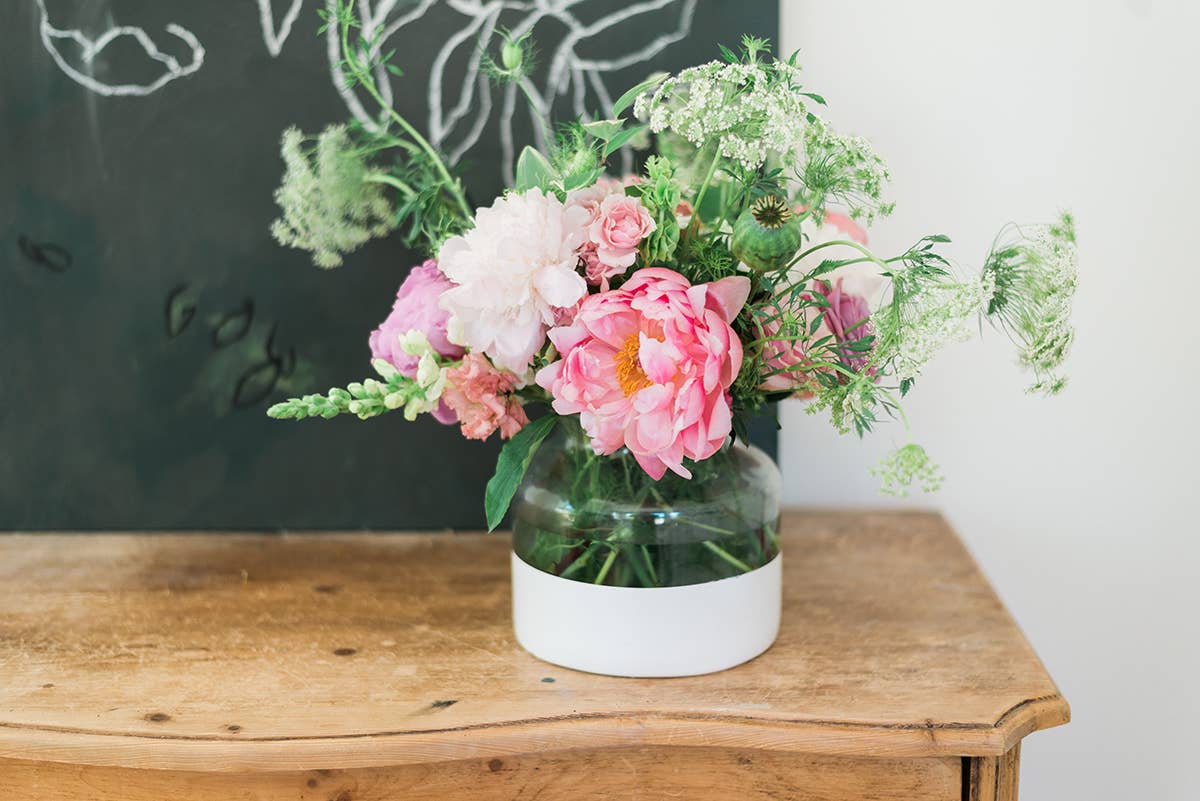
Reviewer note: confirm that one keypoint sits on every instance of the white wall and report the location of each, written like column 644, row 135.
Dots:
column 1082, row 508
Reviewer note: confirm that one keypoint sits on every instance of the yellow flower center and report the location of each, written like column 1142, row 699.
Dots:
column 629, row 370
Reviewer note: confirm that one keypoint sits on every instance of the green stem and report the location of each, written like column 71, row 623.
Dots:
column 383, row 178
column 650, row 565
column 364, row 77
column 608, row 563
column 847, row 242
column 712, row 170
column 726, row 556
column 583, row 559
column 706, row 527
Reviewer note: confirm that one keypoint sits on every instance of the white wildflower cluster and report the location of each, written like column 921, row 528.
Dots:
column 844, row 169
column 906, row 466
column 750, row 110
column 328, row 206
column 935, row 315
column 1035, row 281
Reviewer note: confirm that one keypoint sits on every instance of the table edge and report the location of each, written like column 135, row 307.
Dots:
column 510, row 738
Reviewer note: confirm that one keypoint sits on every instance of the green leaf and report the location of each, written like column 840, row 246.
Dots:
column 533, row 170
column 905, row 385
column 618, row 141
column 511, row 466
column 814, row 97
column 626, row 100
column 584, row 177
column 603, row 129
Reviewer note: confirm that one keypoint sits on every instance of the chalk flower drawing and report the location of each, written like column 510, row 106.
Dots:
column 53, row 37
column 457, row 115
column 274, row 37
column 456, row 124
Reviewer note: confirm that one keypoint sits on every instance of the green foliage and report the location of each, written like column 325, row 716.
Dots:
column 439, row 192
column 534, row 171
column 660, row 193
column 603, row 520
column 627, row 99
column 511, row 466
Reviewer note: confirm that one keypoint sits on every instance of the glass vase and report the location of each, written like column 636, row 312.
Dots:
column 617, row 573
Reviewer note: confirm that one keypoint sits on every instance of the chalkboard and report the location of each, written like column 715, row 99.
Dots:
column 147, row 319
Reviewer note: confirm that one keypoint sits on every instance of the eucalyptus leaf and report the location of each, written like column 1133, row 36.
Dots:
column 511, row 466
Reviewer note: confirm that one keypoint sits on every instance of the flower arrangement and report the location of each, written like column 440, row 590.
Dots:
column 655, row 312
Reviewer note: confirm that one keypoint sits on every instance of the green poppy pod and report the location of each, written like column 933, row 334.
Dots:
column 767, row 235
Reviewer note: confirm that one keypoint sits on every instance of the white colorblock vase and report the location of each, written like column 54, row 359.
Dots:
column 646, row 632
column 620, row 572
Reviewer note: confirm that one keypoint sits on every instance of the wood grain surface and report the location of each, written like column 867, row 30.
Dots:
column 652, row 773
column 230, row 653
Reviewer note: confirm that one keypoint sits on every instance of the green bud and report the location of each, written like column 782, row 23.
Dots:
column 512, row 55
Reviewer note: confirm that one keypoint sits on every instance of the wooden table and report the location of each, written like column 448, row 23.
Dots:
column 362, row 667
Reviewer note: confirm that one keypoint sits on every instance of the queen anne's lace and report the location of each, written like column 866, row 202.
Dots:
column 937, row 315
column 328, row 206
column 1034, row 284
column 752, row 110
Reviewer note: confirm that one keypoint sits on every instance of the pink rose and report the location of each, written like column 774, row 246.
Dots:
column 482, row 398
column 621, row 225
column 416, row 307
column 648, row 367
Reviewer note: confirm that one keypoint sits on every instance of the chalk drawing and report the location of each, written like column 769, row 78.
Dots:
column 274, row 37
column 578, row 79
column 89, row 48
column 454, row 127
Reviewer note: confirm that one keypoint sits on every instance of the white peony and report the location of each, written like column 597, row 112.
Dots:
column 515, row 269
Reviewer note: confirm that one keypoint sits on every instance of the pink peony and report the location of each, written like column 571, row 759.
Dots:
column 482, row 398
column 416, row 307
column 648, row 366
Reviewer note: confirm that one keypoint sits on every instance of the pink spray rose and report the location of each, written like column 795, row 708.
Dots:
column 416, row 307
column 648, row 366
column 620, row 226
column 482, row 398
column 589, row 199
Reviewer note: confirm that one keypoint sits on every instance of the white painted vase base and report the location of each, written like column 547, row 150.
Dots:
column 646, row 632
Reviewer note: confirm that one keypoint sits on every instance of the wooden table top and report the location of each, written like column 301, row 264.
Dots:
column 250, row 651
